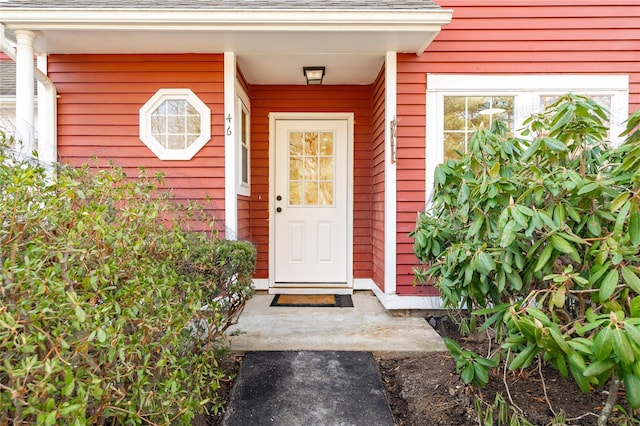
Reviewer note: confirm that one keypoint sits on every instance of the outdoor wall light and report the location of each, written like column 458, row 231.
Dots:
column 313, row 75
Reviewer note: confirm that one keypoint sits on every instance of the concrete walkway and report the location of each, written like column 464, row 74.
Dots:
column 308, row 389
column 367, row 327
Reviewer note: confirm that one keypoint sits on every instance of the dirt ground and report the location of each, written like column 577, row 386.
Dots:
column 425, row 390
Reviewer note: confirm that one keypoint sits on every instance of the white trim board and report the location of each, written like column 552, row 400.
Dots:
column 392, row 302
column 230, row 163
column 390, row 184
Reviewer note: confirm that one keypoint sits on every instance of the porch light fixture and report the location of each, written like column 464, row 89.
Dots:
column 313, row 75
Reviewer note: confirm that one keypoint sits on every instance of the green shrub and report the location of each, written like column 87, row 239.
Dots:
column 540, row 240
column 102, row 292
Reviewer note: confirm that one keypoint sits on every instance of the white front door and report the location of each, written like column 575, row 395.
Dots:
column 311, row 202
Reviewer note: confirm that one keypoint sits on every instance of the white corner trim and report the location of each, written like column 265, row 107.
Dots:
column 230, row 163
column 393, row 302
column 260, row 284
column 363, row 284
column 390, row 186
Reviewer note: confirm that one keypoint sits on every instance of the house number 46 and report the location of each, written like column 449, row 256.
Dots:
column 229, row 131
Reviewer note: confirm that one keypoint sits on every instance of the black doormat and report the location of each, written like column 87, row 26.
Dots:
column 313, row 300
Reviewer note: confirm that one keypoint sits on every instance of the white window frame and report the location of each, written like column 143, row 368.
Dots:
column 526, row 90
column 153, row 103
column 242, row 104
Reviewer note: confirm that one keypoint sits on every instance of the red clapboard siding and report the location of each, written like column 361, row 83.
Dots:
column 244, row 221
column 502, row 37
column 377, row 179
column 267, row 99
column 98, row 108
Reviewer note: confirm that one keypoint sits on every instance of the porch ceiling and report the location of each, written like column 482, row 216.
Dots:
column 271, row 46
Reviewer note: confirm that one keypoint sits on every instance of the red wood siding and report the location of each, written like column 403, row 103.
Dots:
column 505, row 36
column 244, row 221
column 98, row 115
column 267, row 99
column 377, row 179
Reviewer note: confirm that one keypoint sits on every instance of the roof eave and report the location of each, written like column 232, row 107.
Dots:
column 237, row 19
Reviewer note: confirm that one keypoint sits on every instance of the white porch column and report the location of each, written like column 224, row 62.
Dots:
column 230, row 163
column 47, row 145
column 390, row 187
column 25, row 90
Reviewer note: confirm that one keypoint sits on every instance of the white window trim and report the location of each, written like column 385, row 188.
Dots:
column 242, row 102
column 527, row 89
column 145, row 124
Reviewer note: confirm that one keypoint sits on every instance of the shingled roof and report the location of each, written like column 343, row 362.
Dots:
column 225, row 4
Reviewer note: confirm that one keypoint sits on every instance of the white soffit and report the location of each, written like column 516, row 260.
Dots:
column 271, row 46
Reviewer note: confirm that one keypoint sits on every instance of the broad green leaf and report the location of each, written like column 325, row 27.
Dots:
column 554, row 144
column 634, row 227
column 486, row 264
column 633, row 332
column 622, row 216
column 544, row 258
column 603, row 343
column 588, row 188
column 631, row 279
column 494, row 172
column 635, row 307
column 622, row 347
column 619, row 201
column 539, row 315
column 524, row 358
column 599, row 367
column 508, row 234
column 481, row 374
column 577, row 367
column 561, row 244
column 80, row 313
column 475, row 227
column 557, row 337
column 593, row 225
column 608, row 284
column 50, row 420
column 467, row 373
column 632, row 387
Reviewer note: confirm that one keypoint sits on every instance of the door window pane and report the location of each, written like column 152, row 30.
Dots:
column 311, row 168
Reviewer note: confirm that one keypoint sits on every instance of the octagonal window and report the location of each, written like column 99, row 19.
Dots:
column 175, row 124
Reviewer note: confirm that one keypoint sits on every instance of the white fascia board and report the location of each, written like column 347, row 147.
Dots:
column 277, row 20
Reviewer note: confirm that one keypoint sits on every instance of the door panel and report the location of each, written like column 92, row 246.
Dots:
column 311, row 201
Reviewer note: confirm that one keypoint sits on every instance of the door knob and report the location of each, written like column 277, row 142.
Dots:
column 279, row 209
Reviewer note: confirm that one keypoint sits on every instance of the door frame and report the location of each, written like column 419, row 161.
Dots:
column 310, row 288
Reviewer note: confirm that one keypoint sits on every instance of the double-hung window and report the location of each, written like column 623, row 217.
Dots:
column 458, row 105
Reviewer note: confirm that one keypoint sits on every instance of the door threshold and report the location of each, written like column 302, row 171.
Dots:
column 310, row 290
